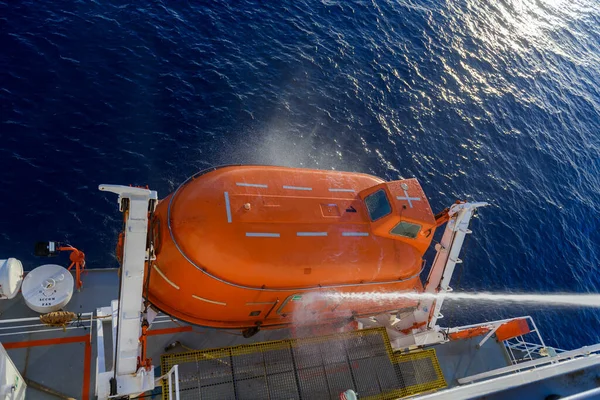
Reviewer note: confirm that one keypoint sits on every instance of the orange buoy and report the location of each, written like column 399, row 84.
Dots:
column 248, row 246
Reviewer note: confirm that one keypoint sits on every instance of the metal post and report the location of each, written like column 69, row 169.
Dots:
column 170, row 385
column 100, row 361
column 536, row 330
column 526, row 347
column 176, row 382
column 489, row 335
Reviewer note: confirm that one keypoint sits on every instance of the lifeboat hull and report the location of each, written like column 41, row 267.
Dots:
column 247, row 246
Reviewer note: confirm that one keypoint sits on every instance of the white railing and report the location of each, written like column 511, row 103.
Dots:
column 19, row 327
column 528, row 350
column 172, row 378
column 513, row 376
column 524, row 354
column 565, row 356
column 531, row 361
column 518, row 349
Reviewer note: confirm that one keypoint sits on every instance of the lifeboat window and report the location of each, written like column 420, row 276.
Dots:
column 378, row 205
column 406, row 229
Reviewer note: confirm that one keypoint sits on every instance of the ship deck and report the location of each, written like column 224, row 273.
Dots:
column 64, row 362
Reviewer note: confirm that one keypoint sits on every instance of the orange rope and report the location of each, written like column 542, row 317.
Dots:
column 77, row 258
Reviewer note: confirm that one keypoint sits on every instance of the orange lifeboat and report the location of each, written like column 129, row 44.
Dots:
column 263, row 246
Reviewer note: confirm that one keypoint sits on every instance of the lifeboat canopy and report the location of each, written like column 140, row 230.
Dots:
column 241, row 246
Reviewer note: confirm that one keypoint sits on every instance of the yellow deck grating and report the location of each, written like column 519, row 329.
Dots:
column 420, row 372
column 310, row 368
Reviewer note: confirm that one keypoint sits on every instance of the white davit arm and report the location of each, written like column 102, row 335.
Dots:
column 446, row 259
column 127, row 378
column 420, row 327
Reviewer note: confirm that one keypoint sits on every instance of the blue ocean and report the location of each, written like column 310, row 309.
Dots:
column 487, row 101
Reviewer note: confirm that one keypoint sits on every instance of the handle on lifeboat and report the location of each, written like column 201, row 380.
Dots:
column 271, row 309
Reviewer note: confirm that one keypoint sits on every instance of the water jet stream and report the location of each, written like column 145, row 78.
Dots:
column 544, row 299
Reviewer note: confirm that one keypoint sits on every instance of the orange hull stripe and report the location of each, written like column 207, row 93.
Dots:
column 87, row 362
column 46, row 342
column 87, row 359
column 169, row 330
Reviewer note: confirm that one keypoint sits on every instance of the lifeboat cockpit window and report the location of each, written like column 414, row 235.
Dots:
column 406, row 229
column 378, row 205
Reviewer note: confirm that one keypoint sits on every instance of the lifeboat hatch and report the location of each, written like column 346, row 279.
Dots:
column 399, row 210
column 308, row 368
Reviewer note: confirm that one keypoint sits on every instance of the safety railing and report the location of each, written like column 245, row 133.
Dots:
column 560, row 358
column 172, row 378
column 20, row 327
column 518, row 349
column 526, row 352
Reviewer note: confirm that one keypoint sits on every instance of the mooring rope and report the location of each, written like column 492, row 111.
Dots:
column 58, row 318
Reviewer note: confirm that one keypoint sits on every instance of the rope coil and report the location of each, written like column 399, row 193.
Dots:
column 59, row 319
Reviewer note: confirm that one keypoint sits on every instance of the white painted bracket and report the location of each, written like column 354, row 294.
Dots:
column 444, row 263
column 438, row 281
column 140, row 382
column 137, row 203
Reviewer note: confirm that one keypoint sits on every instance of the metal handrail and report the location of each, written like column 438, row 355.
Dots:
column 565, row 356
column 37, row 327
column 532, row 349
column 523, row 345
column 173, row 372
column 518, row 343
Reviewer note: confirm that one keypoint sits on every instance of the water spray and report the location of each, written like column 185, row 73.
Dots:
column 591, row 300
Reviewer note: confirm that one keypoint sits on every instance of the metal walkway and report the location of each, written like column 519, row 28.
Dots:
column 311, row 368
